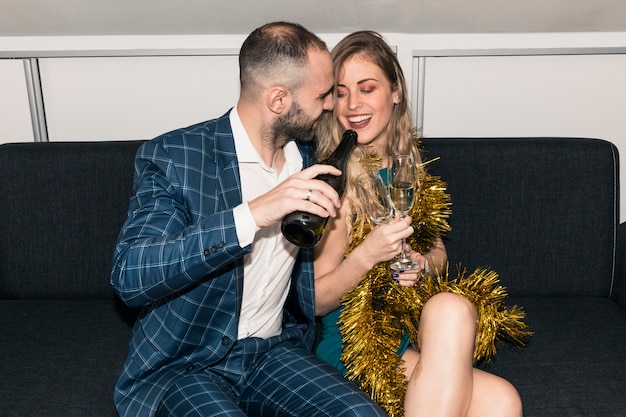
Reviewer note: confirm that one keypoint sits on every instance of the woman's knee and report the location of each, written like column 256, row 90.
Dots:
column 450, row 306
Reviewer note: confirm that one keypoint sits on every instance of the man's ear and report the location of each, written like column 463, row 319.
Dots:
column 278, row 99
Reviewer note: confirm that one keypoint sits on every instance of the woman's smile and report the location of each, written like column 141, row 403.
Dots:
column 359, row 122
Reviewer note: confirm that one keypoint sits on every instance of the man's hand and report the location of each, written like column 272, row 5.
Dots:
column 298, row 192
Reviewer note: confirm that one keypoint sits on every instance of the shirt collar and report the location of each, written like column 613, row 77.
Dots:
column 243, row 145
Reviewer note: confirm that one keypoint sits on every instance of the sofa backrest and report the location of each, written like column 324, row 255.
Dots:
column 62, row 206
column 542, row 212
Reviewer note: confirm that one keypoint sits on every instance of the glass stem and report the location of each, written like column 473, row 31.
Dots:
column 403, row 255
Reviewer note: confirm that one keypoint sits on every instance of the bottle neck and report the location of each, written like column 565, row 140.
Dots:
column 340, row 155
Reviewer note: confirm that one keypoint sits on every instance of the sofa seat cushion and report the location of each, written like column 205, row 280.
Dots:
column 61, row 358
column 574, row 364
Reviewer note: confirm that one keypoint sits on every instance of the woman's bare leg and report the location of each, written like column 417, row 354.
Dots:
column 494, row 397
column 442, row 379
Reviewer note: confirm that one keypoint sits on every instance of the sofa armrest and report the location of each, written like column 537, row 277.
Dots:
column 620, row 266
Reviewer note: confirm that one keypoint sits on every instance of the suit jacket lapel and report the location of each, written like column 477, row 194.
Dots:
column 226, row 158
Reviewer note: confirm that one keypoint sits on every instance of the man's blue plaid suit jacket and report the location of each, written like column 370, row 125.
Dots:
column 178, row 256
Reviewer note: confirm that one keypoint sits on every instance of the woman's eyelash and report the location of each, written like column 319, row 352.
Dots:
column 362, row 90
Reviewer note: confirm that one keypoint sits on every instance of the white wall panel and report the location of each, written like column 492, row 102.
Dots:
column 563, row 95
column 543, row 95
column 118, row 98
column 15, row 121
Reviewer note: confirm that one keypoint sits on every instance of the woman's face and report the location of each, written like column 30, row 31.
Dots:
column 365, row 102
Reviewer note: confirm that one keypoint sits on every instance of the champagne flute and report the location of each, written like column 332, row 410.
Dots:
column 401, row 180
column 372, row 191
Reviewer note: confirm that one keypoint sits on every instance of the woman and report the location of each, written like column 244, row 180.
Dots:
column 438, row 372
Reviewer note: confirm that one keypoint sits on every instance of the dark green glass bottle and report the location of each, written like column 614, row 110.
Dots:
column 305, row 229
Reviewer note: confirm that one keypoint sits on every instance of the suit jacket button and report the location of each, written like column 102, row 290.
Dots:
column 206, row 252
column 225, row 341
column 191, row 368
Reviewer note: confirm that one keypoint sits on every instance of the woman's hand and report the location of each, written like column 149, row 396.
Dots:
column 410, row 278
column 385, row 240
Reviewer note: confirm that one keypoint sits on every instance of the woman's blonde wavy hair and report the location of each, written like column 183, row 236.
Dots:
column 403, row 138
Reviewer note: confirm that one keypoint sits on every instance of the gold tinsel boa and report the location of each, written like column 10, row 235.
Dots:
column 378, row 312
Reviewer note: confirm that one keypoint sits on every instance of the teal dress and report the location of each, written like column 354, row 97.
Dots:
column 329, row 347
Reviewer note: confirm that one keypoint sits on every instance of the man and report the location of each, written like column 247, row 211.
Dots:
column 228, row 314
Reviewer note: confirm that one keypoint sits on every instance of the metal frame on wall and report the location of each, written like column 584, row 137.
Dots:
column 35, row 100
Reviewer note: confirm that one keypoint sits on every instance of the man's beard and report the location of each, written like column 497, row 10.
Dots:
column 292, row 126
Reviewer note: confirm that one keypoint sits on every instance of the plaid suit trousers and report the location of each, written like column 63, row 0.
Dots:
column 269, row 378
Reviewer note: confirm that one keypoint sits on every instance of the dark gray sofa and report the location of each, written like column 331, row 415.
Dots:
column 543, row 212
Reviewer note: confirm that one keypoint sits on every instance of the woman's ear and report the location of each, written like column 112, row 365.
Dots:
column 396, row 93
column 278, row 99
column 396, row 96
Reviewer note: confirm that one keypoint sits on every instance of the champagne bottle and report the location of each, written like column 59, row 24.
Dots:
column 305, row 229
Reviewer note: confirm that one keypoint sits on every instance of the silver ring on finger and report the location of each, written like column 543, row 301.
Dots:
column 308, row 195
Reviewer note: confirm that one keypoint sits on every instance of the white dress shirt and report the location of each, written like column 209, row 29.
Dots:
column 267, row 269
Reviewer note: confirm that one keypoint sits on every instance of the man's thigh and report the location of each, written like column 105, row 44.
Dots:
column 289, row 381
column 199, row 395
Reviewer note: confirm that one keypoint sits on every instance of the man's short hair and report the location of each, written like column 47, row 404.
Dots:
column 276, row 53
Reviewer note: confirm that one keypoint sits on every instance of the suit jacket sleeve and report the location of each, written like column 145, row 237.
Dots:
column 180, row 227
